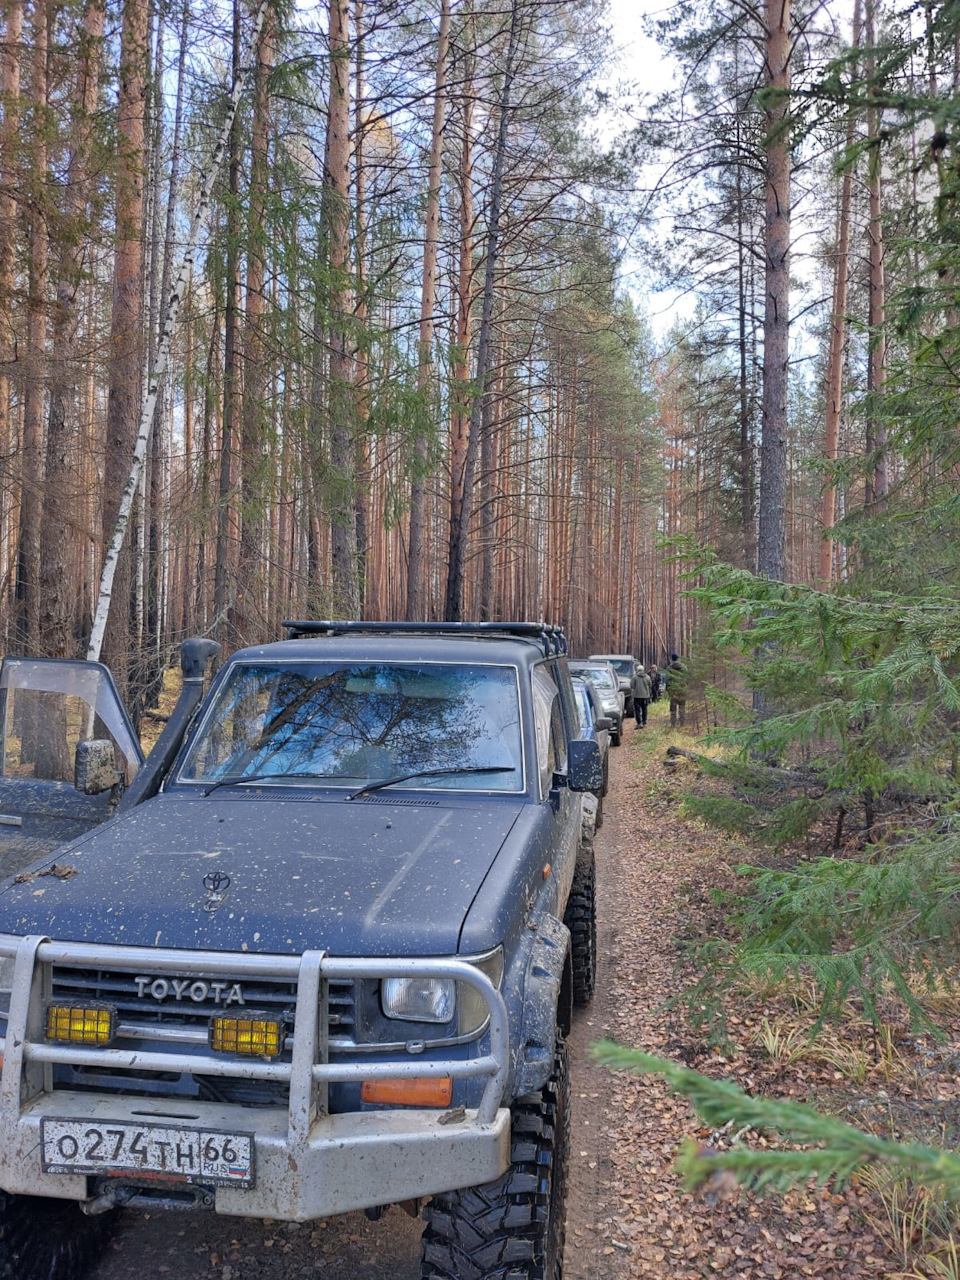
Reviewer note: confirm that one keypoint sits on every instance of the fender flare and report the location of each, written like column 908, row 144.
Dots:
column 546, row 995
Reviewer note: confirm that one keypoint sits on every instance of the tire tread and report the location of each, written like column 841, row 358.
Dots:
column 501, row 1230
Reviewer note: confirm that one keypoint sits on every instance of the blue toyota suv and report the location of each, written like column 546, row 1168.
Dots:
column 319, row 952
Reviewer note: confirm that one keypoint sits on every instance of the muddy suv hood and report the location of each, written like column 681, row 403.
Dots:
column 248, row 873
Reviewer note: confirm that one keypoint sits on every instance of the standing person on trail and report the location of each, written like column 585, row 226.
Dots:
column 677, row 690
column 654, row 675
column 641, row 695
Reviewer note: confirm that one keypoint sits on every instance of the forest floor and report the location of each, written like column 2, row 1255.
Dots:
column 656, row 895
column 628, row 1214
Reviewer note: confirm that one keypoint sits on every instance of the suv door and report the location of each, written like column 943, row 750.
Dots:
column 47, row 708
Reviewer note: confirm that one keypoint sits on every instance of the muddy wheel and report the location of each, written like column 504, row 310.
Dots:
column 43, row 1239
column 581, row 919
column 513, row 1228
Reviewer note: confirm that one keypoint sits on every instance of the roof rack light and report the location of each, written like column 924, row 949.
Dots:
column 549, row 636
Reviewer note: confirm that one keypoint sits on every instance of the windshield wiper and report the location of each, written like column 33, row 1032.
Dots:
column 429, row 773
column 237, row 779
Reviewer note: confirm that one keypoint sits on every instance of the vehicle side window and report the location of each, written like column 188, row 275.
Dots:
column 561, row 674
column 545, row 711
column 583, row 708
column 559, row 734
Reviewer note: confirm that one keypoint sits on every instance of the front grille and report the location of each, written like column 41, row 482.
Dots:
column 159, row 1005
column 180, row 1025
column 198, row 999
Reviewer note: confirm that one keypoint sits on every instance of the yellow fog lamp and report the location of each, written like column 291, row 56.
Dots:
column 248, row 1035
column 81, row 1023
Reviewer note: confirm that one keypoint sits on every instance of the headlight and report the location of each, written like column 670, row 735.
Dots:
column 473, row 1007
column 418, row 999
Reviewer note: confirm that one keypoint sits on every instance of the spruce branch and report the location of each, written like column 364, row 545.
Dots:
column 831, row 1151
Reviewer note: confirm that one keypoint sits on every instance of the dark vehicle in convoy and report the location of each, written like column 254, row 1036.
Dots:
column 319, row 952
column 624, row 665
column 603, row 678
column 593, row 721
column 594, row 724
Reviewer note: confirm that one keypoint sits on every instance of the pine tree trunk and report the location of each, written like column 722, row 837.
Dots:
column 224, row 583
column 771, row 549
column 428, row 302
column 62, row 492
column 877, row 485
column 458, row 543
column 31, row 499
column 460, row 404
column 343, row 522
column 361, row 371
column 126, row 323
column 838, row 336
column 255, row 465
column 151, row 508
column 10, row 52
column 748, row 513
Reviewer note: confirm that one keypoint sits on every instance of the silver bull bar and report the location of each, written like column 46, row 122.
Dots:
column 312, row 1146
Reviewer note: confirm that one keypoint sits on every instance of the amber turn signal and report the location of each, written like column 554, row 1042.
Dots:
column 417, row 1091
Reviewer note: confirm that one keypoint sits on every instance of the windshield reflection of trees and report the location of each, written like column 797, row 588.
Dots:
column 366, row 722
column 603, row 679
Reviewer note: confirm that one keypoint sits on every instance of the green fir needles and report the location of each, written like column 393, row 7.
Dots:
column 861, row 733
column 825, row 1149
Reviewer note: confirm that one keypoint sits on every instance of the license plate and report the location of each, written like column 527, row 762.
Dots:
column 184, row 1155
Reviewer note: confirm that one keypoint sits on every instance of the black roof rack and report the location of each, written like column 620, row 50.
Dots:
column 550, row 637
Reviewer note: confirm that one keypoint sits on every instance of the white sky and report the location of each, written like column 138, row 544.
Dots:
column 642, row 59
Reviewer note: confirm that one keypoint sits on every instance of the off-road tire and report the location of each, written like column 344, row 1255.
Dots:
column 43, row 1239
column 513, row 1228
column 581, row 919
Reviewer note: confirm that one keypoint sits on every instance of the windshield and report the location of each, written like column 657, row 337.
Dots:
column 602, row 677
column 622, row 666
column 359, row 723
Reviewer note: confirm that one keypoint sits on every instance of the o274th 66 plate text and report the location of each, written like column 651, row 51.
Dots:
column 187, row 1155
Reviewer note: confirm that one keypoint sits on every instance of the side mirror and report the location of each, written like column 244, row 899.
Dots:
column 585, row 771
column 95, row 767
column 603, row 722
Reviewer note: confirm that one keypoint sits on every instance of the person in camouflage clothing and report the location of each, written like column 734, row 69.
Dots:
column 677, row 684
